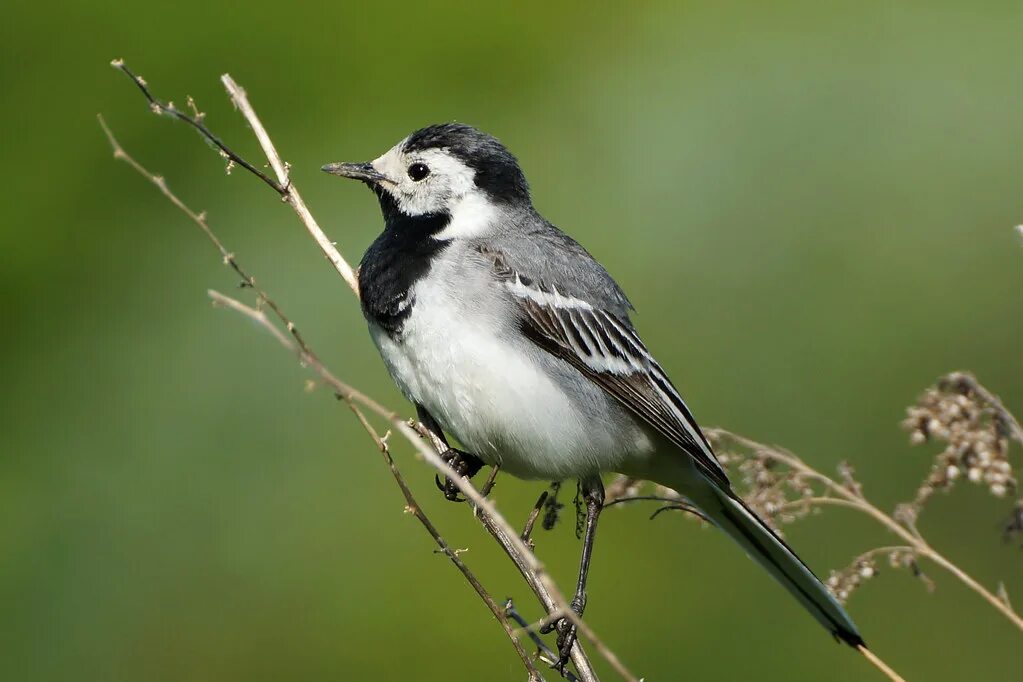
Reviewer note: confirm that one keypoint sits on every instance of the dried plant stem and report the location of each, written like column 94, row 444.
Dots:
column 842, row 496
column 290, row 194
column 879, row 664
column 413, row 507
column 871, row 553
column 553, row 601
column 200, row 220
column 196, row 121
column 969, row 382
column 546, row 654
column 533, row 515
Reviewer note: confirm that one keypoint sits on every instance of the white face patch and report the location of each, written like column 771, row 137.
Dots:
column 448, row 188
column 471, row 216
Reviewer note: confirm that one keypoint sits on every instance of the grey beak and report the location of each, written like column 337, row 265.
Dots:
column 357, row 171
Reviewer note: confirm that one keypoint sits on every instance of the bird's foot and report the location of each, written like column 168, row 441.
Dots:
column 567, row 632
column 465, row 464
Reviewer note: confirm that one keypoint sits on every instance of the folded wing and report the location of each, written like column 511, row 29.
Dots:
column 605, row 348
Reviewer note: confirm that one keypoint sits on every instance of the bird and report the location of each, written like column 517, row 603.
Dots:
column 505, row 333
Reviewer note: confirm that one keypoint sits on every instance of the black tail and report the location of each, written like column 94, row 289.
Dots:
column 763, row 545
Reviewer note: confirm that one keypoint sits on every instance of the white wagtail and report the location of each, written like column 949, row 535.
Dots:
column 507, row 334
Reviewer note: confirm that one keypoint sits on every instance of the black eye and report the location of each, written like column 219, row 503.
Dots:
column 418, row 171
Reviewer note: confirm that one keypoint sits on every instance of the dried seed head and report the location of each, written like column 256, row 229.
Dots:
column 976, row 438
column 843, row 583
column 775, row 492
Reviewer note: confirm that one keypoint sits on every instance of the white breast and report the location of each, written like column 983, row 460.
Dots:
column 501, row 397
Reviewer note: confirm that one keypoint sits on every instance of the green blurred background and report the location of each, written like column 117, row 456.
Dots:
column 809, row 203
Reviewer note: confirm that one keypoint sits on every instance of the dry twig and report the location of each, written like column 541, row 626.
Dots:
column 413, row 507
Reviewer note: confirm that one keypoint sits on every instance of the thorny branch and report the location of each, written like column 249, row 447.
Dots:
column 532, row 570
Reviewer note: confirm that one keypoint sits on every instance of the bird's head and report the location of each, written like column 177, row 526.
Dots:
column 449, row 170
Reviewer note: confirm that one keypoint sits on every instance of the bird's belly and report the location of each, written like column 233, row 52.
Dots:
column 505, row 400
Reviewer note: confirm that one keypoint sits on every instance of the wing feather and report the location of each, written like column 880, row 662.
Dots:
column 607, row 350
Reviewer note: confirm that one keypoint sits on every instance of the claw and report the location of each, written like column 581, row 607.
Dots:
column 465, row 465
column 565, row 643
column 567, row 633
column 448, row 487
column 566, row 639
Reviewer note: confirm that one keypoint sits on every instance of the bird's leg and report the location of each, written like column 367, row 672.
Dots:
column 593, row 496
column 465, row 464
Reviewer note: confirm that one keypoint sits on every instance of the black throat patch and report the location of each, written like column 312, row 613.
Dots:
column 400, row 257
